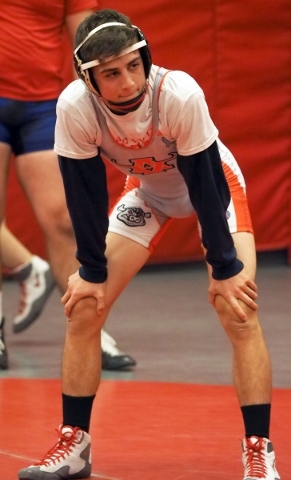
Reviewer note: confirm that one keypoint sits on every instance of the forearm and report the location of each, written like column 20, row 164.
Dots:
column 87, row 202
column 210, row 197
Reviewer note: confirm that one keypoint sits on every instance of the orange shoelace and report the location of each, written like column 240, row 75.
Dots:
column 62, row 448
column 256, row 465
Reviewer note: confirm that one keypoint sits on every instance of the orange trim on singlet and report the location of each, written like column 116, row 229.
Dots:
column 243, row 218
column 159, row 235
column 130, row 184
column 161, row 84
column 159, row 93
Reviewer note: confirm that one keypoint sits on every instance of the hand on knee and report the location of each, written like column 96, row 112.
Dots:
column 84, row 319
column 234, row 326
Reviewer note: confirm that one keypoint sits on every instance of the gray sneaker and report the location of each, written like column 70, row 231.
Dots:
column 35, row 290
column 70, row 458
column 259, row 459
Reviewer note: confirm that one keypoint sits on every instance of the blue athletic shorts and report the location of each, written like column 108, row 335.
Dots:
column 27, row 126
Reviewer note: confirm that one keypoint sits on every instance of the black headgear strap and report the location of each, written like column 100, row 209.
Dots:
column 126, row 107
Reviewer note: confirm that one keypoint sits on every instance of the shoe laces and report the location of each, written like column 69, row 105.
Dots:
column 23, row 297
column 32, row 282
column 67, row 440
column 256, row 463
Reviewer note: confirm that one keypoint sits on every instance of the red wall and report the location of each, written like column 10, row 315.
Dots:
column 240, row 53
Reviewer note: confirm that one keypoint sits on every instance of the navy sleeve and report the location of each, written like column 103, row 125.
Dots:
column 87, row 201
column 210, row 197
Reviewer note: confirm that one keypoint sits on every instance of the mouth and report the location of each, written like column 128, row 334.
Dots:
column 129, row 98
column 132, row 102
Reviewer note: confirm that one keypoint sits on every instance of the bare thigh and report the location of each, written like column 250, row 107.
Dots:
column 125, row 258
column 41, row 180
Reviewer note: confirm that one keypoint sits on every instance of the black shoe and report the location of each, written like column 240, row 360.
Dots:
column 112, row 358
column 3, row 349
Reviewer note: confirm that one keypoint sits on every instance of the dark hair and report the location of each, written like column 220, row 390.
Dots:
column 108, row 41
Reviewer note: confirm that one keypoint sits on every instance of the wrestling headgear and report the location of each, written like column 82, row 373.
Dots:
column 83, row 68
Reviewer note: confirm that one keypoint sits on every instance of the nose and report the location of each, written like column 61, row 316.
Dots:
column 127, row 80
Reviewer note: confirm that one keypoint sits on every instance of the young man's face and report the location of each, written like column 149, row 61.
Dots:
column 121, row 79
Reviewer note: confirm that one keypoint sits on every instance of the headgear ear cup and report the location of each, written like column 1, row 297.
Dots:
column 145, row 53
column 85, row 75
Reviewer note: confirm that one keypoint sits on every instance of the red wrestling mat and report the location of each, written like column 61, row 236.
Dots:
column 140, row 430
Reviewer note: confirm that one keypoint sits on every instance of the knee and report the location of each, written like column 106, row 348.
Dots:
column 236, row 328
column 84, row 320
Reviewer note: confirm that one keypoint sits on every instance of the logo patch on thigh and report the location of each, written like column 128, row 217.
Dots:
column 132, row 216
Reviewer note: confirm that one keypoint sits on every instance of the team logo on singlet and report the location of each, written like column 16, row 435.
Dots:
column 132, row 216
column 148, row 165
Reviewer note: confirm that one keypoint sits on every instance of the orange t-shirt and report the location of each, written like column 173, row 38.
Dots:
column 32, row 46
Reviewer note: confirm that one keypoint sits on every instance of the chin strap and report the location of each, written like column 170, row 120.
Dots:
column 126, row 107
